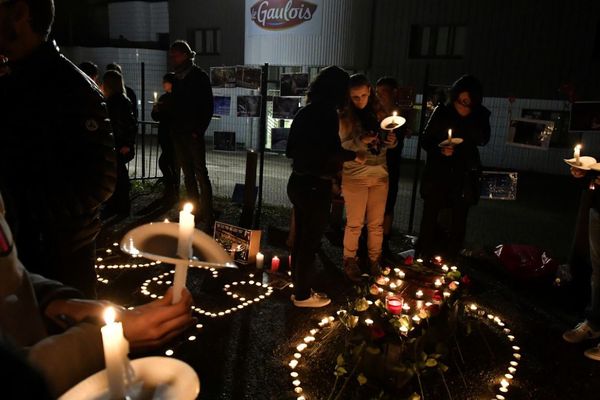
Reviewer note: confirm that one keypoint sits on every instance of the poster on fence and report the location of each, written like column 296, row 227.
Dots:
column 222, row 105
column 530, row 133
column 294, row 84
column 285, row 107
column 222, row 77
column 248, row 77
column 242, row 244
column 248, row 106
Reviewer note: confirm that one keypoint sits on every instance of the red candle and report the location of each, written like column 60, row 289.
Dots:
column 394, row 304
column 274, row 264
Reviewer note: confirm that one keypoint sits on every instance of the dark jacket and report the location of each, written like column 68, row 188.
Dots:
column 192, row 103
column 123, row 122
column 132, row 102
column 314, row 142
column 57, row 161
column 456, row 176
column 163, row 113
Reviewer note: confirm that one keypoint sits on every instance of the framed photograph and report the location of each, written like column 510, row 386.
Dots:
column 222, row 77
column 585, row 117
column 279, row 138
column 285, row 107
column 222, row 105
column 294, row 84
column 248, row 106
column 247, row 77
column 499, row 185
column 530, row 133
column 560, row 135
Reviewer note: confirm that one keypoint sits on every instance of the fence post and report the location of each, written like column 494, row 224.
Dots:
column 143, row 100
column 413, row 198
column 262, row 137
column 249, row 187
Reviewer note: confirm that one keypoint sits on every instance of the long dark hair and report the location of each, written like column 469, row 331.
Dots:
column 349, row 111
column 329, row 86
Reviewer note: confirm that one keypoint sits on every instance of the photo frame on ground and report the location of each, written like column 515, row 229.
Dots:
column 248, row 77
column 221, row 77
column 285, row 107
column 499, row 185
column 242, row 244
column 248, row 106
column 530, row 133
column 222, row 105
column 585, row 117
column 293, row 84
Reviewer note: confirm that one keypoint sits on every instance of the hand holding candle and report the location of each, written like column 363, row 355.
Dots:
column 184, row 249
column 116, row 348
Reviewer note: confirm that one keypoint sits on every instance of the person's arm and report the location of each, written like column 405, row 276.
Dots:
column 204, row 103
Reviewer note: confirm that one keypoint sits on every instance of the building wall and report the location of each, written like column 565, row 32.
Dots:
column 186, row 16
column 138, row 21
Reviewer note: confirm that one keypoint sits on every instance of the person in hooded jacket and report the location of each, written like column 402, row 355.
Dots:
column 450, row 179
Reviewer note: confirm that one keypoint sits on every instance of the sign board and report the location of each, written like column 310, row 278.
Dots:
column 277, row 17
column 242, row 244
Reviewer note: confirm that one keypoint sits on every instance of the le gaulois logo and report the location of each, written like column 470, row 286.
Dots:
column 281, row 14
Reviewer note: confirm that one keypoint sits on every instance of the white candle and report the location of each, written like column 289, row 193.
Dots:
column 449, row 135
column 155, row 97
column 260, row 260
column 184, row 250
column 116, row 348
column 576, row 154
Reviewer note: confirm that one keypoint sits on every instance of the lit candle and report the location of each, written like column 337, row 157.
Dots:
column 437, row 283
column 260, row 260
column 116, row 348
column 184, row 249
column 155, row 97
column 419, row 294
column 274, row 264
column 450, row 135
column 368, row 322
column 394, row 304
column 576, row 154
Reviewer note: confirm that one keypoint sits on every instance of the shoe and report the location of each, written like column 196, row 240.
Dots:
column 351, row 269
column 375, row 267
column 581, row 332
column 593, row 353
column 313, row 301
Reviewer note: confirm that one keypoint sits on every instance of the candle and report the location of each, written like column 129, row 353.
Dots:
column 184, row 249
column 368, row 322
column 437, row 283
column 274, row 264
column 576, row 154
column 116, row 348
column 449, row 135
column 394, row 304
column 155, row 97
column 419, row 294
column 260, row 260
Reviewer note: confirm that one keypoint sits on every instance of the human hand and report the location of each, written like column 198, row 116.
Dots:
column 156, row 323
column 368, row 138
column 577, row 172
column 390, row 138
column 448, row 151
column 124, row 150
column 361, row 157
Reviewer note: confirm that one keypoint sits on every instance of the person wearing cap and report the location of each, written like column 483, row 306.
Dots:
column 57, row 159
column 192, row 112
column 162, row 111
column 450, row 179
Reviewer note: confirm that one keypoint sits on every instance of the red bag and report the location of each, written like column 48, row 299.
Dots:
column 525, row 261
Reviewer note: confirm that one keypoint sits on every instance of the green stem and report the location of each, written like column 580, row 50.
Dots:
column 351, row 372
column 416, row 369
column 445, row 384
column 333, row 388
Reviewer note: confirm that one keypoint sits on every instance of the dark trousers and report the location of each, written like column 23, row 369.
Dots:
column 191, row 156
column 443, row 227
column 311, row 197
column 393, row 158
column 119, row 202
column 167, row 162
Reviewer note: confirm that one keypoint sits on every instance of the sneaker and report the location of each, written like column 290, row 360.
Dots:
column 593, row 353
column 581, row 332
column 351, row 269
column 315, row 300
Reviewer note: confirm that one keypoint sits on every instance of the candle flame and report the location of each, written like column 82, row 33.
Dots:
column 578, row 147
column 188, row 207
column 109, row 315
column 394, row 113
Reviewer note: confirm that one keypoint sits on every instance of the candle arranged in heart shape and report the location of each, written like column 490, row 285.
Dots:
column 116, row 348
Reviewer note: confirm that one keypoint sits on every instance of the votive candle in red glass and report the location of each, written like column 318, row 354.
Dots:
column 394, row 304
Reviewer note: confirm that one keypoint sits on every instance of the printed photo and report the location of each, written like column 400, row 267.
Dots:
column 285, row 107
column 247, row 77
column 222, row 77
column 294, row 84
column 222, row 105
column 248, row 106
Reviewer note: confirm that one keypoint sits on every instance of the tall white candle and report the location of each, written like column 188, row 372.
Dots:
column 116, row 348
column 576, row 154
column 449, row 135
column 155, row 97
column 260, row 260
column 184, row 249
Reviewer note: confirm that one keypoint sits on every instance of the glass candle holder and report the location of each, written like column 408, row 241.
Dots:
column 393, row 304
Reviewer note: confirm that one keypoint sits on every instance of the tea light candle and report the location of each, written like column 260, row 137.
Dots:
column 368, row 322
column 576, row 154
column 419, row 294
column 437, row 283
column 260, row 260
column 393, row 304
column 184, row 249
column 274, row 264
column 116, row 348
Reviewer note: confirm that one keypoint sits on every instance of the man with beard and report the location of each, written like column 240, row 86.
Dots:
column 57, row 163
column 192, row 112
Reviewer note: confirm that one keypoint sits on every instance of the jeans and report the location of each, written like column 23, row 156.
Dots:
column 593, row 316
column 311, row 197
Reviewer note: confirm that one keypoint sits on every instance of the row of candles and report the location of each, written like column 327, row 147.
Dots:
column 275, row 261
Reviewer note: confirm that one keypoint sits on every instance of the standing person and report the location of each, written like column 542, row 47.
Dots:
column 386, row 90
column 317, row 155
column 193, row 110
column 91, row 70
column 364, row 185
column 57, row 162
column 129, row 92
column 124, row 130
column 162, row 111
column 451, row 176
column 590, row 328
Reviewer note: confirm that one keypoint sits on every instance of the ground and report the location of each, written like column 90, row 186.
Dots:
column 245, row 354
